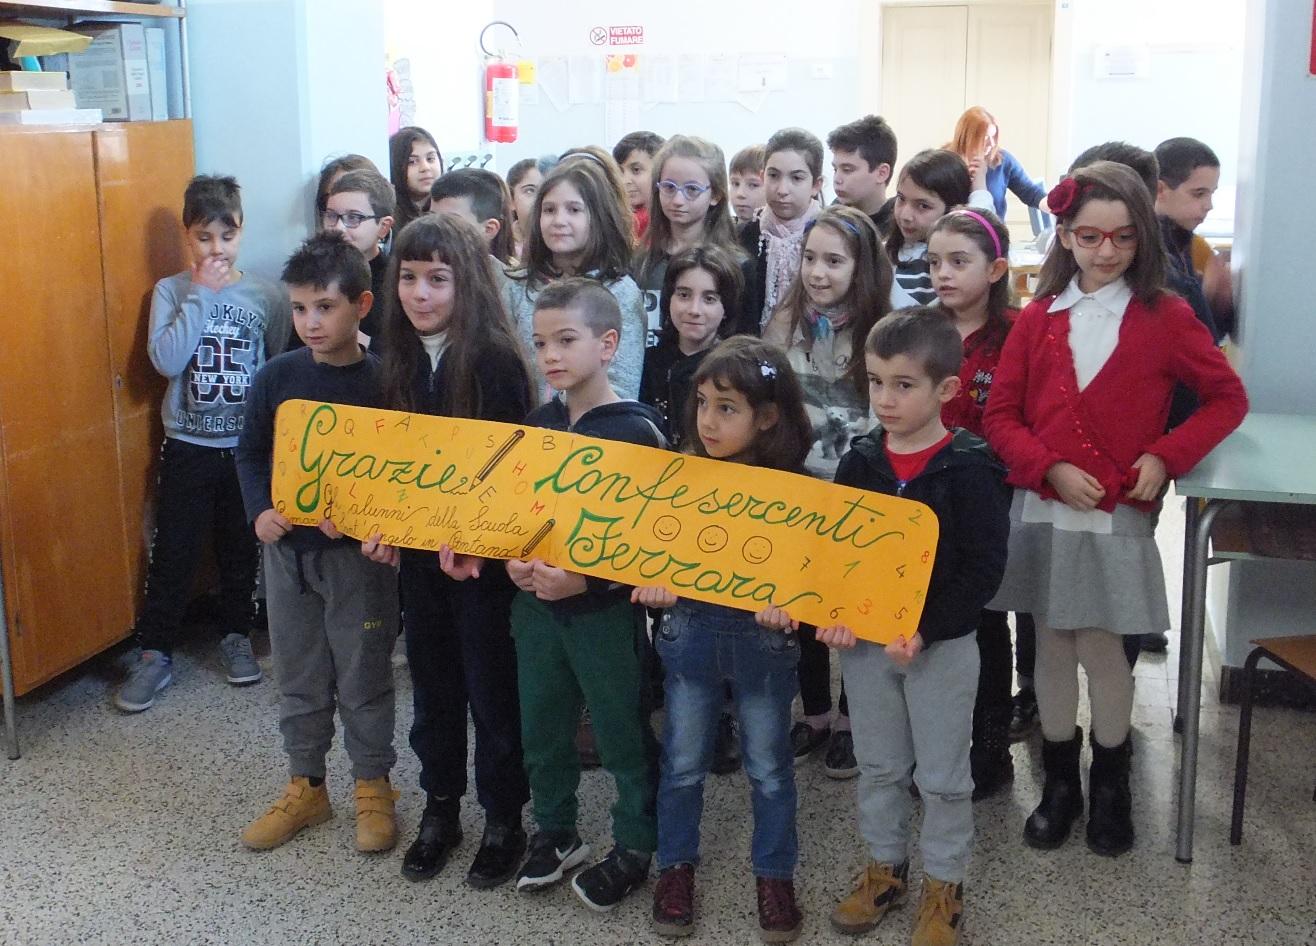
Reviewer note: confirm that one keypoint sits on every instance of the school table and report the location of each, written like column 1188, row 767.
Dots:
column 1270, row 458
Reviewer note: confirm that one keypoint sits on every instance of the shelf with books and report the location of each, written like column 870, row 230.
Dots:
column 60, row 8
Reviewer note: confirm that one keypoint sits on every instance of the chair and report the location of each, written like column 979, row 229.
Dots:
column 1297, row 655
column 1039, row 220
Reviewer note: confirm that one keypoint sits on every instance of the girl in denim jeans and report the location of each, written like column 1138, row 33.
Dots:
column 747, row 408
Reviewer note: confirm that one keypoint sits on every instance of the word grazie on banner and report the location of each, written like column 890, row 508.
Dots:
column 729, row 534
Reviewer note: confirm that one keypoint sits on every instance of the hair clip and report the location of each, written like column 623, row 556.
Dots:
column 767, row 370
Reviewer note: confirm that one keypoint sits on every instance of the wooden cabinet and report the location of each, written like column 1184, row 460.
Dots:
column 89, row 220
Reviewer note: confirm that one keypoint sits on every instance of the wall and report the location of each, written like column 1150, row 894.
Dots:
column 1192, row 87
column 275, row 91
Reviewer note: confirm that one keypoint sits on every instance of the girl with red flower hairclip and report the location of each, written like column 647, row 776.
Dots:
column 1078, row 413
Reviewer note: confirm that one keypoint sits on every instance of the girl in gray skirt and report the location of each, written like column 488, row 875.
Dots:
column 1078, row 413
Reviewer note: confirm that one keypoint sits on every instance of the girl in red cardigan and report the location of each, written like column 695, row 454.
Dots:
column 969, row 262
column 1078, row 413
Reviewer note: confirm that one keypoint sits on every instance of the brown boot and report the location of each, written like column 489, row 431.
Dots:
column 301, row 806
column 376, row 828
column 940, row 909
column 877, row 889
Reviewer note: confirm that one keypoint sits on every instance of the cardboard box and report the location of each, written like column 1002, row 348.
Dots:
column 52, row 116
column 112, row 74
column 33, row 81
column 40, row 98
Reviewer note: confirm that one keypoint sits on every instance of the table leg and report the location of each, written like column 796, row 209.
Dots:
column 1192, row 512
column 1193, row 642
column 7, row 679
column 1244, row 746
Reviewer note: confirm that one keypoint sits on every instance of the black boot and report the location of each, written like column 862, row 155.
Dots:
column 500, row 854
column 1110, row 817
column 440, row 832
column 1062, row 794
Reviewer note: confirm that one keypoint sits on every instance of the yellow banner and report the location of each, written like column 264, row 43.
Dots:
column 720, row 532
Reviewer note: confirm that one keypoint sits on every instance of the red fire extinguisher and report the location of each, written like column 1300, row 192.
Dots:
column 501, row 91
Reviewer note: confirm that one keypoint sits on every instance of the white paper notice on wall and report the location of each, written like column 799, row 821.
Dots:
column 554, row 78
column 586, row 80
column 762, row 72
column 1121, row 62
column 720, row 78
column 690, row 76
column 658, row 80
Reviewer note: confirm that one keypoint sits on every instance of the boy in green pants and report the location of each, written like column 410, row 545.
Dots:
column 576, row 636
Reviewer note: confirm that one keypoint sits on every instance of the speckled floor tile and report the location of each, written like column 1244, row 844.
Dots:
column 122, row 830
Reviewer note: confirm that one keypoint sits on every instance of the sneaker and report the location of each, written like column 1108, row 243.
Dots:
column 239, row 662
column 151, row 674
column 726, row 746
column 376, row 826
column 805, row 740
column 552, row 855
column 940, row 909
column 840, row 762
column 1023, row 719
column 302, row 806
column 500, row 853
column 674, row 901
column 607, row 883
column 780, row 919
column 877, row 889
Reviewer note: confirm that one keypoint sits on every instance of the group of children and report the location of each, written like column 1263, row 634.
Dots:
column 650, row 296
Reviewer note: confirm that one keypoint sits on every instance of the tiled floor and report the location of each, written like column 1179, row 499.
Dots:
column 123, row 829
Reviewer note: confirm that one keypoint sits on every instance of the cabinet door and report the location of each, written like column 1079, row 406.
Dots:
column 62, row 543
column 923, row 56
column 1009, row 74
column 142, row 168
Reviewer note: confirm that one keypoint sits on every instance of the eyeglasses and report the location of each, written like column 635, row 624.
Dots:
column 690, row 190
column 1090, row 238
column 351, row 219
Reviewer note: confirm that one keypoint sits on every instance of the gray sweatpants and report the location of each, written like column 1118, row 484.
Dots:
column 920, row 715
column 333, row 623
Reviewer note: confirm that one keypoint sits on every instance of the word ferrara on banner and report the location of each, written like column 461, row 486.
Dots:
column 719, row 532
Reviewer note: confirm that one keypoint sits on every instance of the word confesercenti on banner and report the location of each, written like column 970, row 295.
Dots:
column 720, row 532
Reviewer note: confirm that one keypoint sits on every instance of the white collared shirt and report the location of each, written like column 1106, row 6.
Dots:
column 1094, row 324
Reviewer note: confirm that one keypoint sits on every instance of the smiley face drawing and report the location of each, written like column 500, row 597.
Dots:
column 756, row 550
column 712, row 539
column 667, row 528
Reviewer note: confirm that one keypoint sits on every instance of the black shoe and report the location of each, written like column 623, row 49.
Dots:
column 726, row 746
column 1157, row 643
column 440, row 833
column 552, row 854
column 1110, row 812
column 1023, row 721
column 1062, row 795
column 840, row 763
column 607, row 883
column 805, row 740
column 500, row 853
column 991, row 773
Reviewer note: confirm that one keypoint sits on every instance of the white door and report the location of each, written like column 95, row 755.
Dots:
column 924, row 55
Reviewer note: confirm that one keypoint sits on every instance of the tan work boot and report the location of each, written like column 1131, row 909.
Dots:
column 940, row 909
column 878, row 888
column 301, row 806
column 376, row 828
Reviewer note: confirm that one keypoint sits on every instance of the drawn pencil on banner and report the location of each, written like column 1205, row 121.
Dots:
column 499, row 455
column 538, row 537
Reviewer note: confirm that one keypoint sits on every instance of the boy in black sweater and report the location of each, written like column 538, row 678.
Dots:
column 333, row 603
column 575, row 635
column 912, row 701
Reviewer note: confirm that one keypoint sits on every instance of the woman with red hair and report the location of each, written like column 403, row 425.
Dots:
column 977, row 140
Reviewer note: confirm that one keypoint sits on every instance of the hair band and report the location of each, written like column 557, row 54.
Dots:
column 841, row 220
column 584, row 154
column 996, row 239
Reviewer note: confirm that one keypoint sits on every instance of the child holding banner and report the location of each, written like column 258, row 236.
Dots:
column 577, row 637
column 912, row 700
column 451, row 351
column 333, row 612
column 843, row 288
column 747, row 407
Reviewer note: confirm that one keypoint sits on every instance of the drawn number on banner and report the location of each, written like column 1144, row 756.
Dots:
column 900, row 615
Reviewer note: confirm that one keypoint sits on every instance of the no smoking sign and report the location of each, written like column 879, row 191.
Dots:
column 616, row 35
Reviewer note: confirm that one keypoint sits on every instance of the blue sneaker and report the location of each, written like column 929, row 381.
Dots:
column 151, row 674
